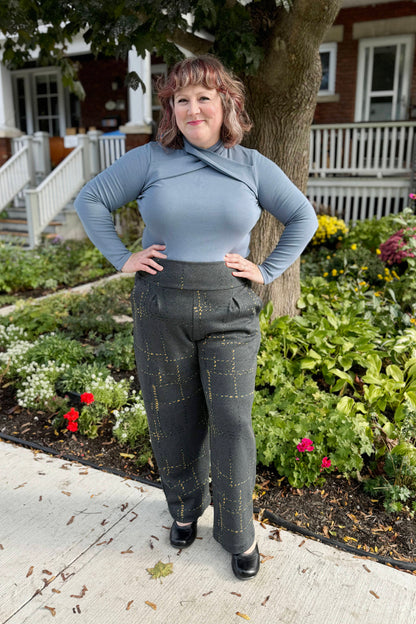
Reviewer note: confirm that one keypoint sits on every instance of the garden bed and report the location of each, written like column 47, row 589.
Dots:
column 335, row 403
column 338, row 510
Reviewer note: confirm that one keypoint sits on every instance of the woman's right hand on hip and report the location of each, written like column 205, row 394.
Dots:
column 143, row 260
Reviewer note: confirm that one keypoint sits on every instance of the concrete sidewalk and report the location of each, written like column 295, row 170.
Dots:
column 76, row 544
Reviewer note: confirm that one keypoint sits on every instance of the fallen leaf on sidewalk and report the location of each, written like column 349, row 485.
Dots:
column 70, row 521
column 66, row 493
column 207, row 593
column 275, row 535
column 236, row 594
column 150, row 604
column 161, row 569
column 130, row 602
column 242, row 615
column 52, row 610
column 82, row 594
column 374, row 594
column 266, row 557
column 263, row 604
column 30, row 571
column 127, row 552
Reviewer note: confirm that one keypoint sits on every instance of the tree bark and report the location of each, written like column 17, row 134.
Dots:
column 281, row 101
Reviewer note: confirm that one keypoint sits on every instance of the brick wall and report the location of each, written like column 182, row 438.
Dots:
column 97, row 76
column 347, row 59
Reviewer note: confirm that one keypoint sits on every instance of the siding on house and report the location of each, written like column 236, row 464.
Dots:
column 342, row 111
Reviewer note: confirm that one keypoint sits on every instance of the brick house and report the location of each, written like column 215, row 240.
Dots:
column 361, row 141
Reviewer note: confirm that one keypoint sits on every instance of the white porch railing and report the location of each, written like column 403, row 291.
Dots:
column 363, row 149
column 355, row 199
column 52, row 195
column 14, row 175
column 110, row 148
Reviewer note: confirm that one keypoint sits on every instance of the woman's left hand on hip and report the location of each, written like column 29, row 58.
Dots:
column 244, row 268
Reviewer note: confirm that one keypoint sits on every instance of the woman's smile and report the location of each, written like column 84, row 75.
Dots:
column 199, row 115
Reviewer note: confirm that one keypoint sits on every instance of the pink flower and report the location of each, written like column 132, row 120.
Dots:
column 412, row 195
column 72, row 426
column 72, row 415
column 326, row 463
column 305, row 445
column 87, row 398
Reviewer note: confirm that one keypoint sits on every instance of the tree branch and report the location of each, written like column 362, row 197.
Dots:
column 189, row 41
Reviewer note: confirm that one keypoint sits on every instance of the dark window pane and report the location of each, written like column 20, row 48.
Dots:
column 325, row 56
column 383, row 68
column 42, row 106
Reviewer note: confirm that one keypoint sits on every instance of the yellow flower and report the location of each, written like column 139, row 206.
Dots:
column 334, row 272
column 364, row 268
column 342, row 271
column 379, row 276
column 353, row 246
column 378, row 252
column 326, row 274
column 395, row 275
column 377, row 294
column 328, row 257
column 412, row 320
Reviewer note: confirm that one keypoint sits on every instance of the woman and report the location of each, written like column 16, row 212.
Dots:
column 196, row 330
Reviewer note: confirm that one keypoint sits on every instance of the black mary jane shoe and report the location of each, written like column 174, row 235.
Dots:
column 246, row 566
column 182, row 536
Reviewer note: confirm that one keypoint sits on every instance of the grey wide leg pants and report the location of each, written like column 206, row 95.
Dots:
column 196, row 337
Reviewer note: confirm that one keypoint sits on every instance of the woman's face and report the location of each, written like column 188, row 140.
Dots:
column 199, row 114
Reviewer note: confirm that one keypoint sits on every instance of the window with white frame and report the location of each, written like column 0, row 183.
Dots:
column 328, row 54
column 39, row 101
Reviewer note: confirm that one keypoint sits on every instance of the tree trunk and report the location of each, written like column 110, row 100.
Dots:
column 281, row 101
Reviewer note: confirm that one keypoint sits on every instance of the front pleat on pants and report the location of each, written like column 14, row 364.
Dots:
column 196, row 338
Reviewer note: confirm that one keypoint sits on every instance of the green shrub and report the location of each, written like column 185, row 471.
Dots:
column 299, row 410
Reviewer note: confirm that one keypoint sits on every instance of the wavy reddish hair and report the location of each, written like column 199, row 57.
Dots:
column 208, row 71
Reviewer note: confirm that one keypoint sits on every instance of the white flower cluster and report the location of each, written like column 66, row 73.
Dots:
column 109, row 391
column 15, row 354
column 130, row 420
column 40, row 384
column 11, row 334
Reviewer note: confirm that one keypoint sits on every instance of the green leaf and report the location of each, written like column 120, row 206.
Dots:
column 160, row 570
column 411, row 397
column 395, row 372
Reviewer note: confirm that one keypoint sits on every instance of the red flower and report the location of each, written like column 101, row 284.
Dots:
column 326, row 463
column 87, row 398
column 72, row 426
column 72, row 415
column 305, row 445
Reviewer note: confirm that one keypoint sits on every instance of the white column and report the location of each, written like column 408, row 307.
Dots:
column 7, row 118
column 140, row 104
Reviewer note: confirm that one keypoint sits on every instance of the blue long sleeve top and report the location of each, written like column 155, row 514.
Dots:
column 200, row 203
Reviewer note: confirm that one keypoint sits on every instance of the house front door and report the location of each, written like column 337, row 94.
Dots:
column 383, row 80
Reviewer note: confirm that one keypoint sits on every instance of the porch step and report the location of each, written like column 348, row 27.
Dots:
column 17, row 228
column 6, row 233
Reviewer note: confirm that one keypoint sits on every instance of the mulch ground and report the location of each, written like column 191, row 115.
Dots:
column 339, row 510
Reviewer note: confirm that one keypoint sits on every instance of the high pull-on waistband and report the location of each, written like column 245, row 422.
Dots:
column 193, row 276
